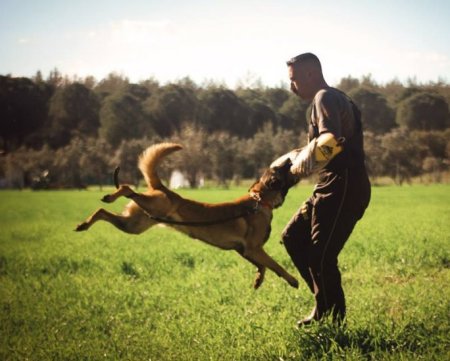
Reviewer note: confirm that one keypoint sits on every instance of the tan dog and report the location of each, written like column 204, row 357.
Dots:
column 242, row 225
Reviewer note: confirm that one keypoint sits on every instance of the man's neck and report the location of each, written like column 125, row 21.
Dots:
column 321, row 86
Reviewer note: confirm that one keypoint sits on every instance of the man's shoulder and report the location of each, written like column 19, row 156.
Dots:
column 329, row 94
column 331, row 97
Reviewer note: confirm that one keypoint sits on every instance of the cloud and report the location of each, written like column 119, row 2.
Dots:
column 433, row 58
column 169, row 50
column 427, row 64
column 228, row 48
column 126, row 46
column 23, row 41
column 423, row 65
column 131, row 32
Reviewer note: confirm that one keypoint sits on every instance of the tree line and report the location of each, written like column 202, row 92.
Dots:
column 71, row 132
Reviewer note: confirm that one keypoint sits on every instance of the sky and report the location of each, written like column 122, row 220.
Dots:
column 231, row 42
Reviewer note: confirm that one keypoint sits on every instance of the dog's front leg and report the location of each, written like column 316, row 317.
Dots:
column 260, row 270
column 260, row 273
column 259, row 256
column 259, row 278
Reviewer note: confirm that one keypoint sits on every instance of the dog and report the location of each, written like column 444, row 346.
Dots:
column 243, row 225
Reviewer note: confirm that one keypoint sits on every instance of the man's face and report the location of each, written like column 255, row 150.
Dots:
column 300, row 80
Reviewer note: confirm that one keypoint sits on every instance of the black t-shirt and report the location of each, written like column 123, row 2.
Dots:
column 332, row 113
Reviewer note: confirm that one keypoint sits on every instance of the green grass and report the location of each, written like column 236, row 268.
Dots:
column 106, row 295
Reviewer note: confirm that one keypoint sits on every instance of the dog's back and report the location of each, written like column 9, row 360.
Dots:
column 151, row 157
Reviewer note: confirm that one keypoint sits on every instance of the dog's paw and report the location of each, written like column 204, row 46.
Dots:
column 82, row 227
column 107, row 199
column 257, row 284
column 258, row 280
column 293, row 282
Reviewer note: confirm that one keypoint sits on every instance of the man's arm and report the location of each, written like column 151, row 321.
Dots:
column 316, row 154
column 326, row 146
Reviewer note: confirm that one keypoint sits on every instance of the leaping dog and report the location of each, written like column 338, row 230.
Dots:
column 242, row 225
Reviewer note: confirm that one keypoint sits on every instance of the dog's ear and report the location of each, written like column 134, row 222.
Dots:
column 287, row 164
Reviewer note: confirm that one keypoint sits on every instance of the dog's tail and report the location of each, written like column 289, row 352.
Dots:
column 150, row 158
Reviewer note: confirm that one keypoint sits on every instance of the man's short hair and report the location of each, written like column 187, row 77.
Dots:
column 305, row 57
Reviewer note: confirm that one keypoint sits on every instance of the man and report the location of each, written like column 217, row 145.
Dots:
column 317, row 232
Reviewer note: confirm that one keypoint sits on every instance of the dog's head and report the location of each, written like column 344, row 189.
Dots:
column 274, row 183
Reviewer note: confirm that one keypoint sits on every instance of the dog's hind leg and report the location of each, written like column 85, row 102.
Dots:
column 123, row 191
column 134, row 225
column 259, row 256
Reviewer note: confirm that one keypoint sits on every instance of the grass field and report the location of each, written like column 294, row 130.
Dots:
column 105, row 295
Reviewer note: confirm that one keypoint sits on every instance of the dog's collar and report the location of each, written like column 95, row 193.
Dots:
column 260, row 203
column 264, row 204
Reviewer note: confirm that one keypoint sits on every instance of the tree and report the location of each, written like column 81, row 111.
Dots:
column 435, row 145
column 194, row 159
column 122, row 118
column 31, row 166
column 126, row 157
column 67, row 170
column 368, row 83
column 152, row 85
column 222, row 153
column 23, row 111
column 402, row 157
column 55, row 79
column 89, row 82
column 95, row 162
column 14, row 169
column 293, row 115
column 348, row 84
column 393, row 90
column 260, row 150
column 222, row 109
column 170, row 107
column 260, row 112
column 140, row 92
column 113, row 83
column 377, row 116
column 424, row 111
column 374, row 154
column 276, row 97
column 284, row 141
column 73, row 111
column 243, row 163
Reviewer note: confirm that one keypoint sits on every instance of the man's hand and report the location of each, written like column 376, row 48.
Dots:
column 305, row 162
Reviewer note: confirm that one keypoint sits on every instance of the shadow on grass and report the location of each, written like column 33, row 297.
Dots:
column 129, row 269
column 324, row 340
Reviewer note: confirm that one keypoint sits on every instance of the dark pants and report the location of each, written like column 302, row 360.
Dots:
column 318, row 231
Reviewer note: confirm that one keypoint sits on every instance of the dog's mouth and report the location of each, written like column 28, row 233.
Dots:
column 277, row 179
column 281, row 195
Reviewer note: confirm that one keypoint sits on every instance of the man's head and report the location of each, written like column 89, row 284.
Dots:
column 305, row 74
